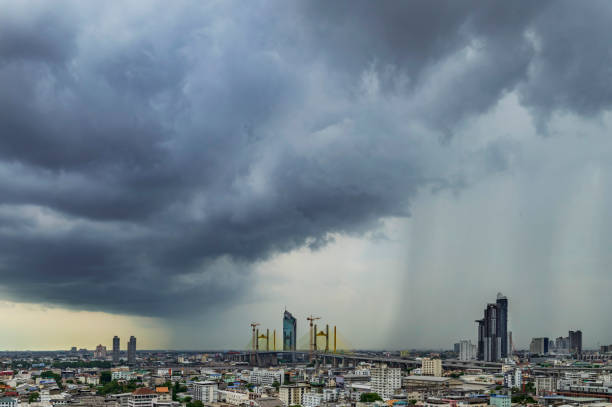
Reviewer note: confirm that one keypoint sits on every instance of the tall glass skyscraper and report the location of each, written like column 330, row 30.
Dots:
column 493, row 331
column 289, row 331
column 502, row 323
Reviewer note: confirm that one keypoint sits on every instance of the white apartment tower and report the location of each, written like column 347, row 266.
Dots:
column 385, row 381
column 206, row 391
column 467, row 351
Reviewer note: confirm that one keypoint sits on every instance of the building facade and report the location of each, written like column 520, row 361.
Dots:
column 431, row 367
column 289, row 332
column 502, row 324
column 206, row 391
column 467, row 350
column 266, row 377
column 499, row 400
column 513, row 378
column 545, row 385
column 142, row 397
column 385, row 380
column 235, row 398
column 292, row 395
column 8, row 402
column 575, row 341
column 493, row 331
column 116, row 349
column 131, row 354
column 100, row 352
column 539, row 346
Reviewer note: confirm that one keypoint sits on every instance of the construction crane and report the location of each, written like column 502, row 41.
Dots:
column 313, row 337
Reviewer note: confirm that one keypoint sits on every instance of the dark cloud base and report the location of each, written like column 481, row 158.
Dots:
column 147, row 160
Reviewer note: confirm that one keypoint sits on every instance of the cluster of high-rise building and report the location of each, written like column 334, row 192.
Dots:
column 493, row 331
column 131, row 350
column 572, row 344
column 495, row 340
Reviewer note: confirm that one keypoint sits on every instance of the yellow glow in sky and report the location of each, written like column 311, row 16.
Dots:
column 39, row 327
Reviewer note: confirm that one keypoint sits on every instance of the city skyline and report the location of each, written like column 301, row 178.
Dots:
column 177, row 171
column 486, row 348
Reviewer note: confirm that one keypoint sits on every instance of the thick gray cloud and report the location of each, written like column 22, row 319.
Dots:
column 150, row 155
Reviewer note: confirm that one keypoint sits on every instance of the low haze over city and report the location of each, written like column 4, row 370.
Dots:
column 305, row 203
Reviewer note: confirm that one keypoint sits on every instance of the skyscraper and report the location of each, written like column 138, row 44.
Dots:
column 539, row 346
column 493, row 331
column 502, row 323
column 492, row 342
column 116, row 349
column 132, row 350
column 480, row 344
column 289, row 332
column 575, row 341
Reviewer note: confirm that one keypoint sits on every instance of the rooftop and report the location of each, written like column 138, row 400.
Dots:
column 143, row 391
column 427, row 378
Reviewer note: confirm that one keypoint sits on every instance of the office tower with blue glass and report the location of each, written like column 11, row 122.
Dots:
column 289, row 332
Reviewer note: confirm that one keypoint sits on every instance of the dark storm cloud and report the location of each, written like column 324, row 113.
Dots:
column 572, row 69
column 149, row 157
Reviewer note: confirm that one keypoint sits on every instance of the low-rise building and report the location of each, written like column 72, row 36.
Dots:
column 266, row 377
column 545, row 385
column 163, row 394
column 233, row 397
column 414, row 383
column 8, row 402
column 142, row 397
column 500, row 400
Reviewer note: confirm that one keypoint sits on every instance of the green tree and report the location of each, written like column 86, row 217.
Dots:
column 276, row 385
column 196, row 403
column 105, row 377
column 33, row 397
column 175, row 390
column 369, row 397
column 113, row 387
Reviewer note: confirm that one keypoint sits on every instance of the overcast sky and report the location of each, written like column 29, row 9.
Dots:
column 177, row 170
